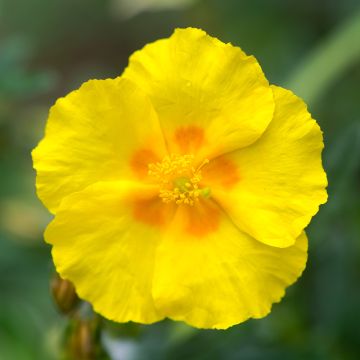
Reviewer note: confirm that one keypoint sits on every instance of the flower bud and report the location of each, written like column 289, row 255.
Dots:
column 64, row 294
column 84, row 342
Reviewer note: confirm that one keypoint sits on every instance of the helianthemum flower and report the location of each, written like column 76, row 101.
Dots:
column 182, row 188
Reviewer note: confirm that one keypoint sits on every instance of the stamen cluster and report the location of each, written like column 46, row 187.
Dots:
column 178, row 179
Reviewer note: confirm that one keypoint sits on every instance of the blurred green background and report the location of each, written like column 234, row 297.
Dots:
column 49, row 47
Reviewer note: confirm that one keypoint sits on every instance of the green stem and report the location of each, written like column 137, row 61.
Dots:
column 321, row 68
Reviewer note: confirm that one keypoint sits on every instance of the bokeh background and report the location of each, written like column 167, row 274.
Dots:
column 49, row 47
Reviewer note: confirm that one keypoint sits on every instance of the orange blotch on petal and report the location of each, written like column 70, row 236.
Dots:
column 221, row 171
column 189, row 139
column 153, row 212
column 140, row 161
column 201, row 219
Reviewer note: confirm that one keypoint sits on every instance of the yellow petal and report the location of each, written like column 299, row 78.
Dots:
column 280, row 179
column 209, row 96
column 98, row 245
column 93, row 134
column 223, row 277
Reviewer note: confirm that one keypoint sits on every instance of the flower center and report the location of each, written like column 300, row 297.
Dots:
column 178, row 179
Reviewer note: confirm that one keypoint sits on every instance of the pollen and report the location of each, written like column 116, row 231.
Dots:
column 178, row 179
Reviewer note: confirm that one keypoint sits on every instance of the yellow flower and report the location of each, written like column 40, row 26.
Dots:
column 182, row 188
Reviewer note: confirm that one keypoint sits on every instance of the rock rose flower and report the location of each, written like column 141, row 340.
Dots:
column 182, row 188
